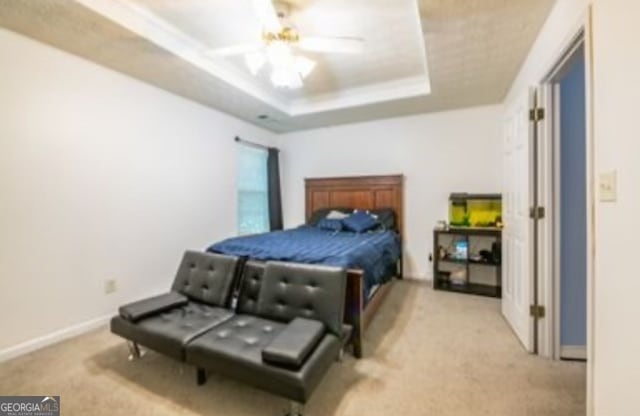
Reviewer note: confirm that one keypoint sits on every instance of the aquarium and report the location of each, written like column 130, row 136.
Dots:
column 475, row 210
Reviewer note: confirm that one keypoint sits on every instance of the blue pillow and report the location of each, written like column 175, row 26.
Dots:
column 330, row 224
column 360, row 222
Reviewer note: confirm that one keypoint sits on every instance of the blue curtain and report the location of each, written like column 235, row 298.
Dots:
column 275, row 198
column 253, row 190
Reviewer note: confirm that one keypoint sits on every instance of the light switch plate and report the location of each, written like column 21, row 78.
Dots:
column 608, row 186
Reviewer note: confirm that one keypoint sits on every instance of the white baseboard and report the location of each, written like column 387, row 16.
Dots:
column 413, row 275
column 52, row 338
column 573, row 352
column 416, row 278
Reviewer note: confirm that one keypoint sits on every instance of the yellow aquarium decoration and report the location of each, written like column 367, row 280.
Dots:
column 475, row 210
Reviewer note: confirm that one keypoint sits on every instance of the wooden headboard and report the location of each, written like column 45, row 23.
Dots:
column 357, row 192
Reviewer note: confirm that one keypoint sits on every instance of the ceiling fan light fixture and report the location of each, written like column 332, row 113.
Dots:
column 280, row 39
column 279, row 55
column 288, row 70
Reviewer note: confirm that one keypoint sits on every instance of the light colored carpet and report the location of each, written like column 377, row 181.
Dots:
column 429, row 353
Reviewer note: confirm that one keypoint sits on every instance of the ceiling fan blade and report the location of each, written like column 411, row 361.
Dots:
column 267, row 16
column 234, row 50
column 332, row 44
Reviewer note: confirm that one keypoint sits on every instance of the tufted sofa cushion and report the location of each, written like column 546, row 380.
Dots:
column 206, row 277
column 291, row 290
column 234, row 349
column 169, row 331
column 250, row 287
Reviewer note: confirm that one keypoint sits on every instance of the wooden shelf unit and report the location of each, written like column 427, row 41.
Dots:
column 441, row 280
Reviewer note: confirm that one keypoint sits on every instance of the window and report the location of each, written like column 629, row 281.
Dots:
column 253, row 197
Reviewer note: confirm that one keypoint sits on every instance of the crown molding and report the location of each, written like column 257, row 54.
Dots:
column 369, row 94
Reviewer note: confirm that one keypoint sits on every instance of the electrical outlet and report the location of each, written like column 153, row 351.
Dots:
column 110, row 286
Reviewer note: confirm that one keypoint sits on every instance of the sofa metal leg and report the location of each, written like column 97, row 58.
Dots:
column 341, row 355
column 201, row 376
column 134, row 351
column 295, row 409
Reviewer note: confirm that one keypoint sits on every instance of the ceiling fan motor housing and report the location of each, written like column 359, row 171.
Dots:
column 283, row 9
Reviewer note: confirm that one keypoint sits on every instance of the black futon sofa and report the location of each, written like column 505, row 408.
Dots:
column 280, row 331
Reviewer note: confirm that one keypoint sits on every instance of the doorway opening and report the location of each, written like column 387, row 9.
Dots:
column 570, row 205
column 564, row 171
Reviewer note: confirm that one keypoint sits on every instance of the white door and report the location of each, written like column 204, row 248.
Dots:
column 517, row 246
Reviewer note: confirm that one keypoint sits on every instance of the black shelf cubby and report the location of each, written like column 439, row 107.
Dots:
column 472, row 265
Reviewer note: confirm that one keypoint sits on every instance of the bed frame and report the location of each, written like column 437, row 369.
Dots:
column 359, row 192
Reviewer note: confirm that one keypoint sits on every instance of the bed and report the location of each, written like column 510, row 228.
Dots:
column 376, row 253
column 373, row 259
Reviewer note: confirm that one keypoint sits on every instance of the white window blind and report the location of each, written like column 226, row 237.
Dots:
column 253, row 198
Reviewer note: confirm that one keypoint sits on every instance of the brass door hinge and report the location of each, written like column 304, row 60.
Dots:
column 536, row 114
column 537, row 213
column 537, row 311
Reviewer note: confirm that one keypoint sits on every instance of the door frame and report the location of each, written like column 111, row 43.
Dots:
column 547, row 263
column 550, row 193
column 554, row 205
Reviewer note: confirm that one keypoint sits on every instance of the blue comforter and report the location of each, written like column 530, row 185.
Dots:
column 375, row 253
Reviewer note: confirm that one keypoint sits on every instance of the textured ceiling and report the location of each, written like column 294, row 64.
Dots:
column 474, row 50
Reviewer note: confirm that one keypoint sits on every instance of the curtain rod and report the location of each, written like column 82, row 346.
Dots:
column 248, row 143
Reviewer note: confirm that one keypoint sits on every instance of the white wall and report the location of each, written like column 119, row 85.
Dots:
column 438, row 153
column 617, row 147
column 101, row 176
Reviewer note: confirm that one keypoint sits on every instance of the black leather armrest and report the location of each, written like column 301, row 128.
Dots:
column 151, row 306
column 294, row 344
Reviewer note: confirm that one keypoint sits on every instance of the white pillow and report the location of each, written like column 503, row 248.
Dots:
column 336, row 215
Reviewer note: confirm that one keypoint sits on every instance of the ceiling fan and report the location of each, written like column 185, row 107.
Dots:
column 279, row 43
